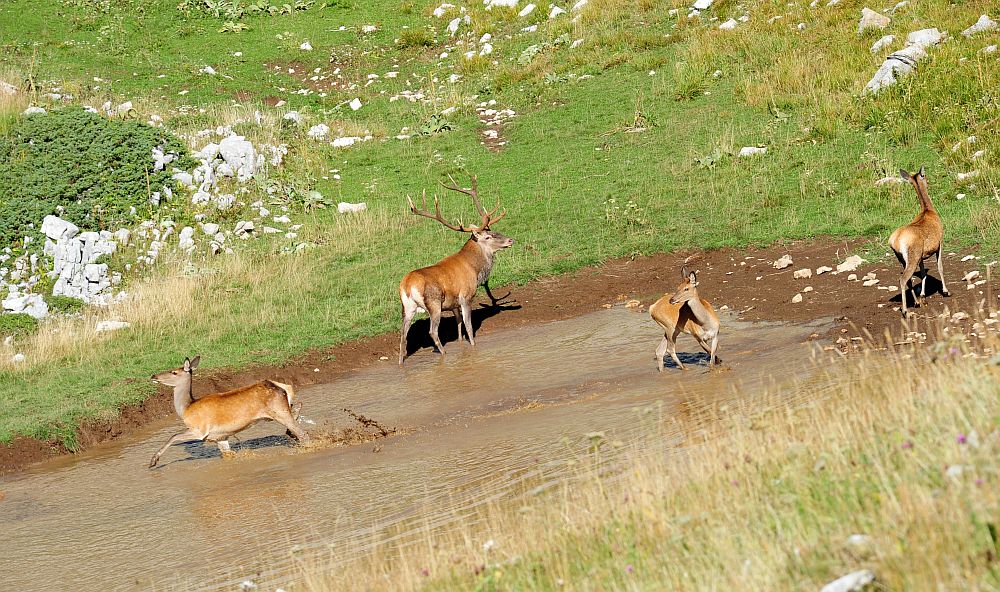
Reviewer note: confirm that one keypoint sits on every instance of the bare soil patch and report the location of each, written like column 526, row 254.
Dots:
column 727, row 277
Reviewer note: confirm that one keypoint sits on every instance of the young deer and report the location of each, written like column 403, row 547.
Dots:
column 919, row 240
column 685, row 312
column 451, row 283
column 216, row 417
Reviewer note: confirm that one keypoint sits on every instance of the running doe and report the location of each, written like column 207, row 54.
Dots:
column 216, row 417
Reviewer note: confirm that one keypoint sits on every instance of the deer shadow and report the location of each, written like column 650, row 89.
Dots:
column 419, row 336
column 934, row 286
column 201, row 450
column 688, row 359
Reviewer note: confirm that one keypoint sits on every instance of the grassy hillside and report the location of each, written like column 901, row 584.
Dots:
column 623, row 144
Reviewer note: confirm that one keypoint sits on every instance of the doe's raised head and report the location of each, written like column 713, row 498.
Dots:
column 176, row 375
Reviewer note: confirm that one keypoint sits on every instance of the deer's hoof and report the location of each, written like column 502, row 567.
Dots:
column 152, row 463
column 946, row 293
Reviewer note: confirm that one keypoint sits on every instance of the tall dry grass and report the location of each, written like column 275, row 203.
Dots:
column 764, row 494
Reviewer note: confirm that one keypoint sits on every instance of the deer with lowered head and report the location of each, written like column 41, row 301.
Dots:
column 451, row 284
column 919, row 240
column 216, row 417
column 686, row 312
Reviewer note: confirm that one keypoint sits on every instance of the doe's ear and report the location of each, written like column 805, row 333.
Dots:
column 921, row 173
column 684, row 273
column 195, row 362
column 187, row 365
column 693, row 279
column 905, row 175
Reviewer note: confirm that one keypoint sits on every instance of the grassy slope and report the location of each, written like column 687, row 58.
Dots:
column 567, row 156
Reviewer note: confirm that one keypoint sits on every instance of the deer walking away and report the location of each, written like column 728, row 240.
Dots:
column 918, row 241
column 216, row 417
column 451, row 283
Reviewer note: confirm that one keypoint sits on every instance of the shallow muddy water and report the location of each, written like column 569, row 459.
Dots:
column 475, row 426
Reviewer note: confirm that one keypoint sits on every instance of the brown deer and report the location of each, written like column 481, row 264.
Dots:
column 216, row 417
column 919, row 240
column 686, row 312
column 451, row 283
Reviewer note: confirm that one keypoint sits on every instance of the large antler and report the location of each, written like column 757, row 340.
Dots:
column 437, row 213
column 487, row 217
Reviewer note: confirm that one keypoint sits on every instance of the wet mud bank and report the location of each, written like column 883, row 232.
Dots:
column 742, row 280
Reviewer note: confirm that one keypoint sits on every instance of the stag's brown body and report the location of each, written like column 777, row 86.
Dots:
column 919, row 240
column 216, row 417
column 451, row 283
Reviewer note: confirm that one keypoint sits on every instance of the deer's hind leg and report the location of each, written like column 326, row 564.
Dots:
column 912, row 261
column 283, row 415
column 940, row 266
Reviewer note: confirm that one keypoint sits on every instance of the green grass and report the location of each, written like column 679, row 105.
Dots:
column 569, row 153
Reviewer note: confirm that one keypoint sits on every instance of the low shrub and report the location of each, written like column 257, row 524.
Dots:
column 17, row 324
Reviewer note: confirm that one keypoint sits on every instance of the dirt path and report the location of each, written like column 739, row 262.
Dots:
column 728, row 277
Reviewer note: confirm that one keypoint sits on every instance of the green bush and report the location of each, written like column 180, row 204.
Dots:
column 96, row 168
column 17, row 324
column 63, row 304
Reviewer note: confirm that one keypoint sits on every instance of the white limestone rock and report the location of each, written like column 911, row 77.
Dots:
column 872, row 20
column 983, row 25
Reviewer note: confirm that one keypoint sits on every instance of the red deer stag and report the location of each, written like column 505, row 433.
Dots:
column 686, row 312
column 216, row 417
column 451, row 283
column 919, row 240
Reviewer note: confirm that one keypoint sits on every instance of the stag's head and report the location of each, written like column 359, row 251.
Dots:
column 178, row 375
column 488, row 239
column 687, row 290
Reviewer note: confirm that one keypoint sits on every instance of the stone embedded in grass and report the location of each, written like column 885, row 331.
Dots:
column 210, row 228
column 208, row 70
column 306, row 46
column 893, row 180
column 903, row 62
column 294, row 116
column 752, row 151
column 579, row 5
column 984, row 24
column 453, row 26
column 7, row 88
column 852, row 582
column 556, row 11
column 728, row 25
column 185, row 240
column 351, row 208
column 528, row 9
column 108, row 326
column 702, row 4
column 441, row 10
column 882, row 43
column 18, row 358
column 850, row 264
column 872, row 20
column 30, row 304
column 963, row 177
column 783, row 262
column 319, row 131
column 355, row 104
column 32, row 110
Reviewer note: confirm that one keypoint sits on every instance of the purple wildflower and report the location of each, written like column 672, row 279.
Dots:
column 961, row 439
column 425, row 572
column 907, row 445
column 629, row 569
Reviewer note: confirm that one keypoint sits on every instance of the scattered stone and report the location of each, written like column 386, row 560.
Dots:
column 968, row 258
column 556, row 11
column 882, row 44
column 18, row 358
column 107, row 326
column 244, row 228
column 783, row 262
column 903, row 62
column 870, row 283
column 319, row 131
column 7, row 88
column 872, row 20
column 528, row 9
column 185, row 240
column 29, row 304
column 306, row 46
column 807, row 289
column 579, row 5
column 351, row 208
column 702, row 4
column 852, row 582
column 963, row 177
column 210, row 228
column 802, row 273
column 984, row 24
column 728, row 25
column 823, row 269
column 797, row 298
column 850, row 264
column 752, row 151
column 355, row 104
column 893, row 180
column 32, row 110
column 860, row 545
column 853, row 277
column 971, row 275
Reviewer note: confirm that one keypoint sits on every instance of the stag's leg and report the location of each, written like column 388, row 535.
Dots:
column 940, row 266
column 185, row 435
column 435, row 311
column 923, row 282
column 467, row 316
column 408, row 312
column 661, row 350
column 458, row 321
